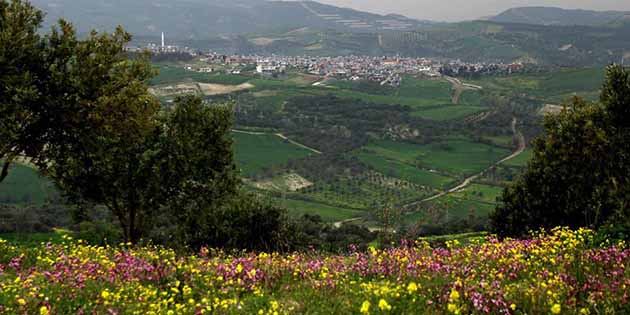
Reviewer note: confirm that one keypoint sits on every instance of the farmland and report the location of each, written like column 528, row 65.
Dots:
column 456, row 157
column 379, row 143
column 554, row 87
column 255, row 152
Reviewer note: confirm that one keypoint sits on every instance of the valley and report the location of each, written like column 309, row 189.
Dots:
column 441, row 149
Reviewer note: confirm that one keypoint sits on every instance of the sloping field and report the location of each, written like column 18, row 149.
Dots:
column 255, row 152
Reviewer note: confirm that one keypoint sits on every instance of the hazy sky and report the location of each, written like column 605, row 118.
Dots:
column 456, row 10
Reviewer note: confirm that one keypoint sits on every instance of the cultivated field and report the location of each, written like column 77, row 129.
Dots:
column 256, row 152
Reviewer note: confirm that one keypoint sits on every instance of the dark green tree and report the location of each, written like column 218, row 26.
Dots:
column 22, row 74
column 186, row 158
column 59, row 94
column 579, row 175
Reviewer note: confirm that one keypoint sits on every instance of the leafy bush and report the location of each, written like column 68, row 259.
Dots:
column 580, row 172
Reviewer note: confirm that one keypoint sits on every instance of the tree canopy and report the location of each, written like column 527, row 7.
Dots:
column 580, row 172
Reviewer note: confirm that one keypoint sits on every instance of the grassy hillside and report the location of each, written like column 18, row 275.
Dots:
column 554, row 87
column 255, row 153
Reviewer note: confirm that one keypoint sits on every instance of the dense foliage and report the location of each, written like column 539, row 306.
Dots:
column 579, row 175
column 79, row 110
column 552, row 273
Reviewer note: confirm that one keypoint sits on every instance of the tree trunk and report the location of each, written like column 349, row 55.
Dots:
column 133, row 234
column 5, row 170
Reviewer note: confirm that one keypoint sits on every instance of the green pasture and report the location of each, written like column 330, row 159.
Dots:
column 551, row 86
column 458, row 157
column 448, row 112
column 257, row 152
column 169, row 74
column 449, row 208
column 479, row 192
column 522, row 159
column 397, row 168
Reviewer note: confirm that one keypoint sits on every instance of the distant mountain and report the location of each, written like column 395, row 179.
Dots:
column 203, row 19
column 477, row 41
column 558, row 16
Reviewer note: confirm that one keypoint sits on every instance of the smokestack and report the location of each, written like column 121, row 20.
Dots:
column 162, row 39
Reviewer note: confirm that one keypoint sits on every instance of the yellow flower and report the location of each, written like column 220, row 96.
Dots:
column 412, row 288
column 556, row 308
column 274, row 305
column 584, row 311
column 105, row 295
column 43, row 310
column 239, row 268
column 365, row 307
column 452, row 308
column 454, row 295
column 21, row 302
column 383, row 305
column 513, row 306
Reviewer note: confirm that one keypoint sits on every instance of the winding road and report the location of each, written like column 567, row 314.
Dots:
column 520, row 149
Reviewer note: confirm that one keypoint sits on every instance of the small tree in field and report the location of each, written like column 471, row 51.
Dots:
column 186, row 156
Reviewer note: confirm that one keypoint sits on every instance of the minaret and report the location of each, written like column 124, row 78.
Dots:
column 162, row 40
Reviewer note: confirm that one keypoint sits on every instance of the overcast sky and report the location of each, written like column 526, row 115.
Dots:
column 457, row 10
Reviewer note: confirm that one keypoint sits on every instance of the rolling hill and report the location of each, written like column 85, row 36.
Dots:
column 470, row 41
column 559, row 16
column 199, row 19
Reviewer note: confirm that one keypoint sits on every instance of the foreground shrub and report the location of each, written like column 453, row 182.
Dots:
column 554, row 273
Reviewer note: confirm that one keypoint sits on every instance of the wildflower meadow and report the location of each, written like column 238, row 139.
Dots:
column 555, row 272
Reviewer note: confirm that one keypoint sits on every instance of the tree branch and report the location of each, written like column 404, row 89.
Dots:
column 5, row 170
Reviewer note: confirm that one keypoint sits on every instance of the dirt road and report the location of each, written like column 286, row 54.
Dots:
column 519, row 150
column 279, row 135
column 459, row 88
column 521, row 147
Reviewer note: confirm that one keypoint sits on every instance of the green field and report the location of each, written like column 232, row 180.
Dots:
column 503, row 140
column 448, row 112
column 257, row 152
column 367, row 191
column 451, row 207
column 328, row 213
column 415, row 93
column 169, row 74
column 34, row 239
column 23, row 185
column 521, row 160
column 460, row 156
column 457, row 157
column 399, row 169
column 553, row 87
column 438, row 90
column 479, row 192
